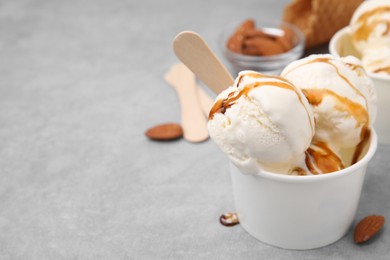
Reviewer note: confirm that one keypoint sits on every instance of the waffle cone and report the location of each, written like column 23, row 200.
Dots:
column 320, row 19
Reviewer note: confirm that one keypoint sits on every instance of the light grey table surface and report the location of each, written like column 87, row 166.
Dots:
column 80, row 82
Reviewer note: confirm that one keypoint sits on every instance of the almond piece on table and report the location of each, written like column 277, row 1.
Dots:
column 229, row 219
column 367, row 228
column 165, row 132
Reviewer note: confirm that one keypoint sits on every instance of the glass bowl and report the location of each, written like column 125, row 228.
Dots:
column 273, row 64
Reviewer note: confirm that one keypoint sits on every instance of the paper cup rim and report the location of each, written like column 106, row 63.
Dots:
column 314, row 178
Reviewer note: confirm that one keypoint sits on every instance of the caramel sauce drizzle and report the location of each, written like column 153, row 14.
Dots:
column 356, row 110
column 299, row 171
column 343, row 104
column 327, row 61
column 365, row 136
column 387, row 31
column 365, row 27
column 322, row 160
column 386, row 70
column 357, row 68
column 354, row 67
column 222, row 105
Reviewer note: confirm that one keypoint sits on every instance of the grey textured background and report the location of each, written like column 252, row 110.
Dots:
column 80, row 82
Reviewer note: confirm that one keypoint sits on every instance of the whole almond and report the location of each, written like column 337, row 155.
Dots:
column 246, row 25
column 286, row 40
column 165, row 132
column 367, row 228
column 253, row 32
column 263, row 46
column 235, row 41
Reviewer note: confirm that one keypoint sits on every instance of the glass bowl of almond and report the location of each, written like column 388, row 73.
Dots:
column 266, row 47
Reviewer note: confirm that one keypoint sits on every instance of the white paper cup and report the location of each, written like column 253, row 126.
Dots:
column 340, row 46
column 300, row 212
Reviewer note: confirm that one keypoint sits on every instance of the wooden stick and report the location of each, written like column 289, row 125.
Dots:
column 193, row 51
column 193, row 121
column 206, row 102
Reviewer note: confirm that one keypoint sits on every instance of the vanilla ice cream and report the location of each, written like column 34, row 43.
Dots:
column 342, row 97
column 370, row 26
column 262, row 122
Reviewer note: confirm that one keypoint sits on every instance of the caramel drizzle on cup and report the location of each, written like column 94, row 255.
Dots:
column 363, row 31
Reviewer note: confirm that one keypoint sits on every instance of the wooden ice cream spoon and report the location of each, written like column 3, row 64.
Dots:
column 193, row 121
column 193, row 51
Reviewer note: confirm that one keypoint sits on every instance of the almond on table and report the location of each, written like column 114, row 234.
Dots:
column 368, row 227
column 165, row 132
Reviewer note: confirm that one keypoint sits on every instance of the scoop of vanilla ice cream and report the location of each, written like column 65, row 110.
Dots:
column 262, row 122
column 370, row 26
column 365, row 84
column 341, row 94
column 377, row 59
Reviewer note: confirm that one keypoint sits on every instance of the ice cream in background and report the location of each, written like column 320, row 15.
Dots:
column 370, row 26
column 262, row 122
column 300, row 123
column 342, row 97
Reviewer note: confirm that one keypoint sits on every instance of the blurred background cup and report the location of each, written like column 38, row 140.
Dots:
column 341, row 45
column 300, row 212
column 273, row 64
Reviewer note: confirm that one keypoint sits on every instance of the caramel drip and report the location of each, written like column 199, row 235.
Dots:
column 315, row 97
column 223, row 104
column 327, row 60
column 354, row 67
column 343, row 104
column 386, row 70
column 365, row 136
column 358, row 69
column 299, row 171
column 259, row 76
column 322, row 160
column 387, row 31
column 363, row 31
